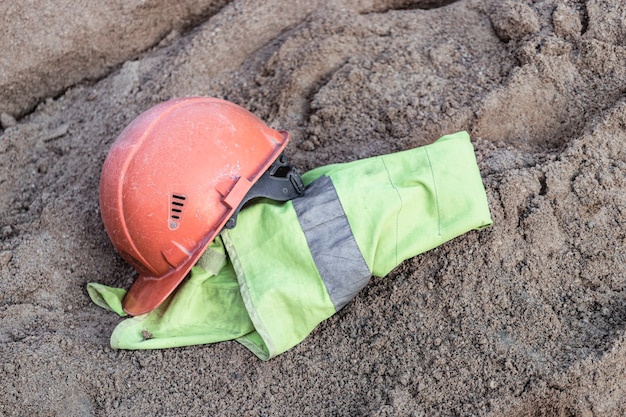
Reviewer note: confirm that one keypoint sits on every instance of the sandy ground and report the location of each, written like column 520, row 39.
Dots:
column 526, row 318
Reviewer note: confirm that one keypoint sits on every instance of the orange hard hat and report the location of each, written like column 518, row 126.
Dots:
column 172, row 180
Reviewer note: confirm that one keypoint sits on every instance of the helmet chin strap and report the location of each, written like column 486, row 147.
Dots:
column 281, row 182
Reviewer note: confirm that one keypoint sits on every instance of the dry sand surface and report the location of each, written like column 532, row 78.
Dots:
column 526, row 318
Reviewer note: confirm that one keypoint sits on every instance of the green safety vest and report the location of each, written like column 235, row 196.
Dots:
column 288, row 266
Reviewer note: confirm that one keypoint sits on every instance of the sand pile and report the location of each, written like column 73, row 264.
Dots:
column 527, row 317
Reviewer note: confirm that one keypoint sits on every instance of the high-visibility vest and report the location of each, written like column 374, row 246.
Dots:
column 288, row 266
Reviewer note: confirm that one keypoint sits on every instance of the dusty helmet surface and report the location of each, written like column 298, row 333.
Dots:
column 170, row 182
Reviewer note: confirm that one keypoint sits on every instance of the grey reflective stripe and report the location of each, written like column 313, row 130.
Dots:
column 334, row 249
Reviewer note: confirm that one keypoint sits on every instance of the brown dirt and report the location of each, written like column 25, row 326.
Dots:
column 526, row 318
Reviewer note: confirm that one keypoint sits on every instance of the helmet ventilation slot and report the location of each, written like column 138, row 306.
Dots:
column 177, row 203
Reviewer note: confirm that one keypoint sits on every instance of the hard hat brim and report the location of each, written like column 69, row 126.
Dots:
column 147, row 293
